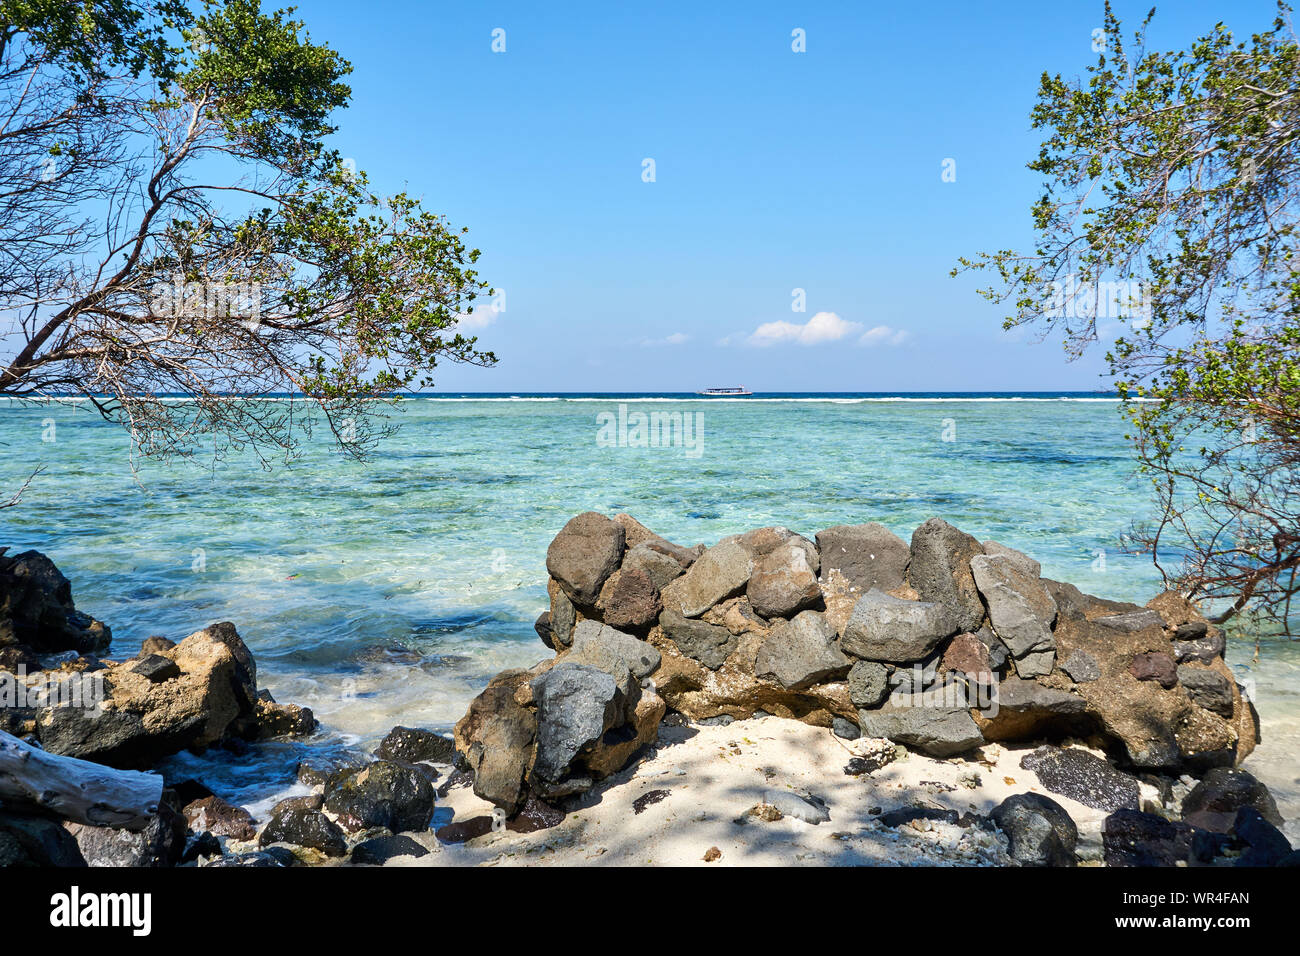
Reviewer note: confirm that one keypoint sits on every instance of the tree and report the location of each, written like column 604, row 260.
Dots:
column 1168, row 223
column 173, row 221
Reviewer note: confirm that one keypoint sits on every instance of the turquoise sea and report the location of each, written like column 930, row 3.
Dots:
column 389, row 591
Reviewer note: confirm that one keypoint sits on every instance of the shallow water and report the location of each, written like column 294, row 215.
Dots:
column 388, row 592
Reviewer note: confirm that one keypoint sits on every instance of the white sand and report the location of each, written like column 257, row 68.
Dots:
column 714, row 775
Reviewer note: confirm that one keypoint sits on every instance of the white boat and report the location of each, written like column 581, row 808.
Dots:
column 733, row 392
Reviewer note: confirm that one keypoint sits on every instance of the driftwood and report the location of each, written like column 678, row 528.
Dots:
column 75, row 789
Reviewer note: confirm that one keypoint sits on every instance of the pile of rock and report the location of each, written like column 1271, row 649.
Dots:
column 60, row 697
column 943, row 645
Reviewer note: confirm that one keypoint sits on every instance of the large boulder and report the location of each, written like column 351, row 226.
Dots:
column 719, row 573
column 868, row 555
column 584, row 554
column 37, row 612
column 1020, row 611
column 940, row 571
column 801, row 652
column 925, row 725
column 496, row 737
column 784, row 582
column 894, row 630
column 1038, row 829
column 611, row 650
column 385, row 794
column 1159, row 727
column 141, row 720
column 576, row 705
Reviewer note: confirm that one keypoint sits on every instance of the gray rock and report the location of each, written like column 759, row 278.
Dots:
column 719, row 573
column 868, row 684
column 707, row 643
column 1131, row 622
column 1207, row 688
column 868, row 555
column 845, row 728
column 576, row 704
column 998, row 653
column 161, row 843
column 1084, row 778
column 801, row 652
column 563, row 615
column 761, row 542
column 940, row 571
column 1038, row 830
column 783, row 582
column 1082, row 667
column 1204, row 649
column 892, row 630
column 1023, row 561
column 1021, row 612
column 600, row 645
column 584, row 554
column 916, row 677
column 660, row 568
column 543, row 628
column 937, row 731
column 799, row 806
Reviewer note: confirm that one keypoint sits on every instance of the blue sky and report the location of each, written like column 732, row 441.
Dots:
column 774, row 171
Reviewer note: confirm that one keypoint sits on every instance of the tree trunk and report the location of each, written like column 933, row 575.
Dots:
column 76, row 789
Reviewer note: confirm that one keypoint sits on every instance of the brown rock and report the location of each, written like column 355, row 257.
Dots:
column 629, row 599
column 496, row 737
column 784, row 582
column 220, row 819
column 967, row 654
column 584, row 554
column 635, row 534
column 1155, row 666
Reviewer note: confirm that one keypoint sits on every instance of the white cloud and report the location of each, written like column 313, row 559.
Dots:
column 822, row 327
column 476, row 321
column 677, row 338
column 883, row 335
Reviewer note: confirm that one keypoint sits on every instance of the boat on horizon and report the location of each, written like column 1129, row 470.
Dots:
column 732, row 392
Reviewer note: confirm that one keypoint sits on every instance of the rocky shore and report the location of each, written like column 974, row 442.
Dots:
column 851, row 698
